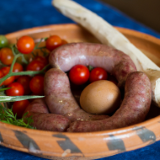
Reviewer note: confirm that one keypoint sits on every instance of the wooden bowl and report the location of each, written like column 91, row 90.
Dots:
column 89, row 145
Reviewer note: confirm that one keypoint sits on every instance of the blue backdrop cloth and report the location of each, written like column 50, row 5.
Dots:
column 21, row 14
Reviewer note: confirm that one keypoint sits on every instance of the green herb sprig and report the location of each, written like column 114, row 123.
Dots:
column 7, row 116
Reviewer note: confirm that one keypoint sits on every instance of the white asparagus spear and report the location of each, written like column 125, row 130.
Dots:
column 107, row 34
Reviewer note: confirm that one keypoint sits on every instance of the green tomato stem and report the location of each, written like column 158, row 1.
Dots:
column 37, row 45
column 15, row 52
column 13, row 62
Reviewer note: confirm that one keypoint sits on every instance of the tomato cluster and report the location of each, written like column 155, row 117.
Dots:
column 37, row 60
column 80, row 74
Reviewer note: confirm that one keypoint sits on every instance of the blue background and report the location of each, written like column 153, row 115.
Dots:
column 21, row 14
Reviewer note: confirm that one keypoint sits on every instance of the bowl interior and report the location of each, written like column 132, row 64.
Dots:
column 14, row 137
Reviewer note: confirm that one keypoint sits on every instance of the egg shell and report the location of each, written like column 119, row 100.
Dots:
column 100, row 97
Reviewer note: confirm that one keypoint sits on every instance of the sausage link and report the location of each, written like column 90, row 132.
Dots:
column 38, row 106
column 96, row 55
column 59, row 97
column 137, row 100
column 133, row 109
column 44, row 120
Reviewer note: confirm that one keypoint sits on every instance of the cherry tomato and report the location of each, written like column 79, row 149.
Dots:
column 25, row 44
column 3, row 41
column 53, row 42
column 6, row 56
column 43, row 52
column 24, row 81
column 5, row 71
column 19, row 107
column 64, row 41
column 97, row 73
column 35, row 65
column 37, row 84
column 16, row 89
column 17, row 68
column 79, row 74
column 42, row 59
column 1, row 74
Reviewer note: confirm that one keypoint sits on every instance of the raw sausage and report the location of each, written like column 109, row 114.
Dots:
column 59, row 97
column 44, row 120
column 96, row 55
column 137, row 100
column 57, row 87
column 133, row 109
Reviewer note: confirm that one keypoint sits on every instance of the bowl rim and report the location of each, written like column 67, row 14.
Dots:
column 149, row 123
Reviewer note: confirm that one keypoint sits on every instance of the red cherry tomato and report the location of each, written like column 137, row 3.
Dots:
column 24, row 81
column 16, row 89
column 42, row 59
column 19, row 107
column 25, row 44
column 64, row 41
column 5, row 71
column 1, row 74
column 79, row 74
column 97, row 73
column 53, row 42
column 37, row 84
column 17, row 68
column 6, row 56
column 35, row 65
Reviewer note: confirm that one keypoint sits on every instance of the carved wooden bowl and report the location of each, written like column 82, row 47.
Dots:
column 90, row 145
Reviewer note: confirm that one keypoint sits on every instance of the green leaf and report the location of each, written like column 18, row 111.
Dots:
column 17, row 98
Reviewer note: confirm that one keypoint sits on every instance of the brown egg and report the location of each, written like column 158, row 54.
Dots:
column 100, row 97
